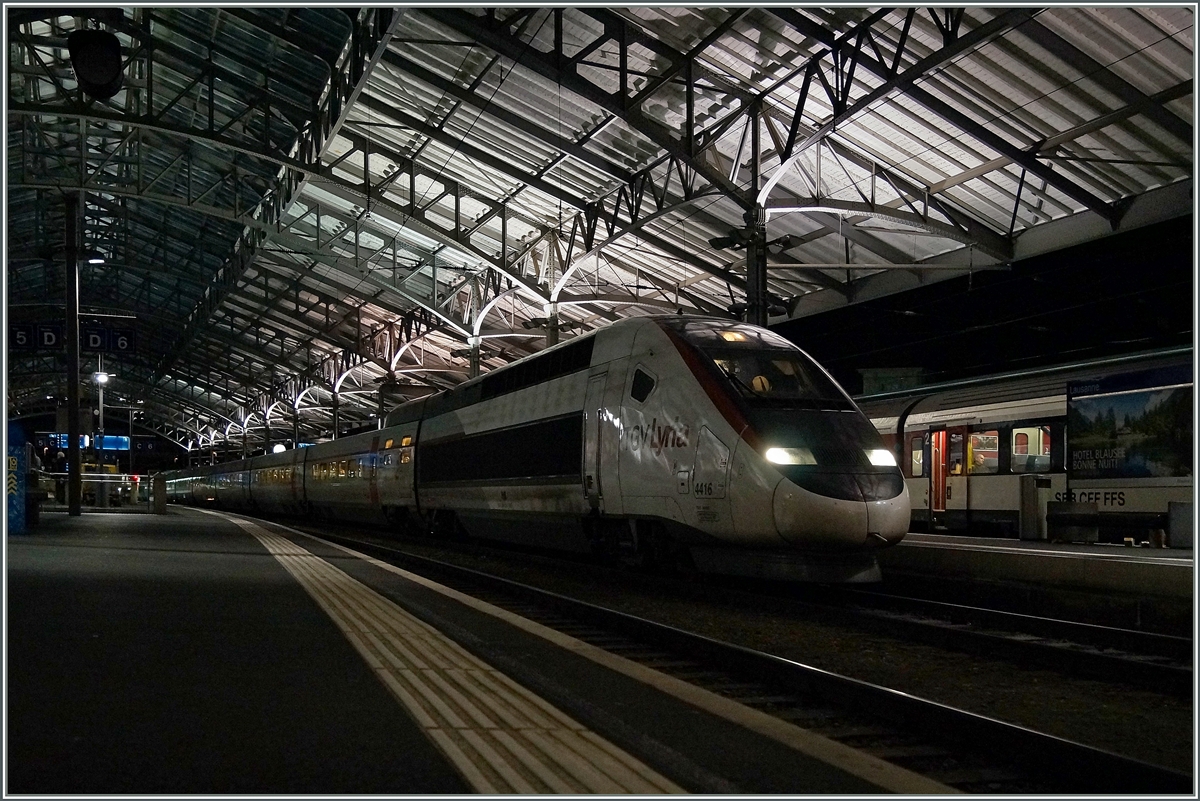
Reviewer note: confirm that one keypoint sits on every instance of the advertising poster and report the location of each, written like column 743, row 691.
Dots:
column 1130, row 432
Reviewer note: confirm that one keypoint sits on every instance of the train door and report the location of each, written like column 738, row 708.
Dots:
column 957, row 488
column 937, row 473
column 947, row 476
column 593, row 408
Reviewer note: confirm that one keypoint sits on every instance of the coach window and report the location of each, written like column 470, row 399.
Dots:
column 917, row 445
column 643, row 385
column 955, row 460
column 1031, row 449
column 983, row 453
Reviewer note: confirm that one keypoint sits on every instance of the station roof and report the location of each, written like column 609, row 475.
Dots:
column 294, row 210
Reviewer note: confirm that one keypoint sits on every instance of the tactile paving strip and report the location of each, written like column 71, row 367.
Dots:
column 498, row 735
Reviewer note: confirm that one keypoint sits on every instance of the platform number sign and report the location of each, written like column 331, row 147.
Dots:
column 22, row 337
column 93, row 337
column 27, row 336
column 109, row 340
column 50, row 337
column 120, row 340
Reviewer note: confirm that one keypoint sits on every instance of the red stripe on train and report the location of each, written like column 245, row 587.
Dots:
column 716, row 392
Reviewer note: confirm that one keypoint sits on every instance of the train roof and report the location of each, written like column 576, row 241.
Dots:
column 1045, row 383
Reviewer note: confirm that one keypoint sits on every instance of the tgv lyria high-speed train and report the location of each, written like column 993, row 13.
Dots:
column 655, row 439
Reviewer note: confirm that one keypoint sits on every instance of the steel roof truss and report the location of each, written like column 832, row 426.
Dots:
column 555, row 65
column 965, row 123
column 466, row 96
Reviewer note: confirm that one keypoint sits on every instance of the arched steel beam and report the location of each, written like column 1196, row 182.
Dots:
column 878, row 211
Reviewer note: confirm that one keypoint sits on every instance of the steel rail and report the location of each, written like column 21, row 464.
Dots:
column 1064, row 646
column 1145, row 643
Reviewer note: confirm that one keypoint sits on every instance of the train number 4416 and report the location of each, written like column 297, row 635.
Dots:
column 703, row 488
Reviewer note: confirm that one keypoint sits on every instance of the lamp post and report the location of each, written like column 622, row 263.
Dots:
column 101, row 378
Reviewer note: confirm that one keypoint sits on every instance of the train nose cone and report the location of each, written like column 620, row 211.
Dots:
column 816, row 521
column 889, row 519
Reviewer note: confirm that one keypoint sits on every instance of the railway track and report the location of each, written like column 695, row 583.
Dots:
column 969, row 752
column 1138, row 658
column 1110, row 654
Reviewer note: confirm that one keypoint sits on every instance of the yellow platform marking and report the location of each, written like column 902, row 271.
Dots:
column 499, row 736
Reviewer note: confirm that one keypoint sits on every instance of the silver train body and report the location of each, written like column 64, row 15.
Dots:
column 656, row 438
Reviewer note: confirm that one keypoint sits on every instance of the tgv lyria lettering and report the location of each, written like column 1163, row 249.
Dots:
column 652, row 435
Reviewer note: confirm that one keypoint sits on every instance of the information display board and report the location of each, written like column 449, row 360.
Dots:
column 15, row 480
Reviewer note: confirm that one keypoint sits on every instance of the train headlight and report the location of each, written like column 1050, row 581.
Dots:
column 881, row 457
column 790, row 456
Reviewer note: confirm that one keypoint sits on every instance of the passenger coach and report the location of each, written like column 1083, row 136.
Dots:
column 1117, row 433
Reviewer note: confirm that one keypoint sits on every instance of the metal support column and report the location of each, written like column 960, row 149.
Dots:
column 474, row 343
column 71, row 268
column 101, row 486
column 756, row 266
column 337, row 417
column 552, row 326
column 390, row 395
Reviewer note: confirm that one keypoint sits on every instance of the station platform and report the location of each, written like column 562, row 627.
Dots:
column 203, row 653
column 1156, row 572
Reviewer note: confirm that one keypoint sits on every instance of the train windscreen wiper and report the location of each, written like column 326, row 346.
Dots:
column 747, row 391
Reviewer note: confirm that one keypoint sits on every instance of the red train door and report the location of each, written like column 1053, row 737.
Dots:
column 937, row 471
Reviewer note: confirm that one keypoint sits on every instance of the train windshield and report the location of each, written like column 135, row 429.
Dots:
column 778, row 376
column 762, row 367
